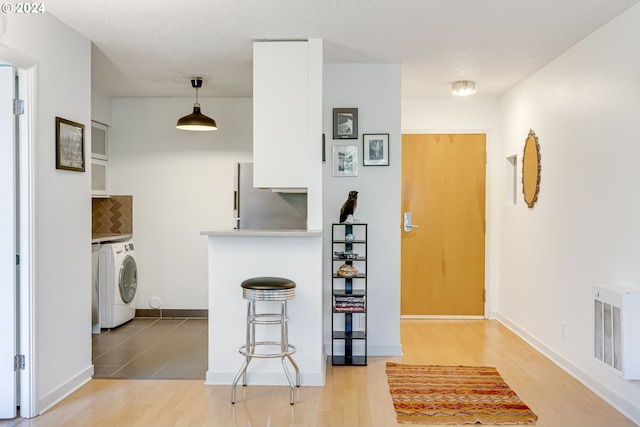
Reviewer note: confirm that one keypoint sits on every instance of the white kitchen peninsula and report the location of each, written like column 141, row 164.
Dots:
column 236, row 255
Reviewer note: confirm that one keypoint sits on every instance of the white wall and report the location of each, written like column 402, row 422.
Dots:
column 100, row 108
column 182, row 184
column 62, row 201
column 472, row 114
column 584, row 229
column 375, row 90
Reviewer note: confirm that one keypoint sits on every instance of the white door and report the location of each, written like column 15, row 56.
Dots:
column 7, row 245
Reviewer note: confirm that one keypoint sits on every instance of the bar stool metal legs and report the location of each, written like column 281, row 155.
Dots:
column 250, row 349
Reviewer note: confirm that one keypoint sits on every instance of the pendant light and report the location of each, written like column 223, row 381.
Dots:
column 196, row 120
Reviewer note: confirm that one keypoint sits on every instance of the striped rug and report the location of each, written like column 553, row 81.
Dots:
column 424, row 394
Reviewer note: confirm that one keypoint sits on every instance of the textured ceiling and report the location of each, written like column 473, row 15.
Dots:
column 152, row 47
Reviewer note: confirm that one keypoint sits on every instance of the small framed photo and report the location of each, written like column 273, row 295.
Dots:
column 345, row 123
column 69, row 145
column 375, row 148
column 345, row 160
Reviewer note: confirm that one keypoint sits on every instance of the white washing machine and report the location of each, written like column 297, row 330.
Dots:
column 118, row 282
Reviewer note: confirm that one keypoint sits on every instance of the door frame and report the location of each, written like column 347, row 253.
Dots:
column 27, row 78
column 488, row 256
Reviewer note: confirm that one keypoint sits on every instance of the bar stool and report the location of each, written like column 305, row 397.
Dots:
column 267, row 289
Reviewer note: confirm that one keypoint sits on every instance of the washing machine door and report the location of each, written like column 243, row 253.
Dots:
column 128, row 279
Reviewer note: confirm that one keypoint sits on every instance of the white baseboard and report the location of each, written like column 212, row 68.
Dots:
column 629, row 409
column 439, row 317
column 384, row 350
column 64, row 390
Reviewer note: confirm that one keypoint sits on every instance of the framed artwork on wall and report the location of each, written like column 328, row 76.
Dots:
column 345, row 160
column 69, row 145
column 345, row 123
column 375, row 149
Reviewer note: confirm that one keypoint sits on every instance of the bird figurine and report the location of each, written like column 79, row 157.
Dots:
column 349, row 206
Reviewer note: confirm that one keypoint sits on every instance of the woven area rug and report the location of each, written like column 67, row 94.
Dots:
column 454, row 395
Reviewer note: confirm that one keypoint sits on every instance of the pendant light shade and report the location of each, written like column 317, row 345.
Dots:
column 196, row 121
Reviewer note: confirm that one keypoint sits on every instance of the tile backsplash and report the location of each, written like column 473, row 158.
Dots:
column 112, row 215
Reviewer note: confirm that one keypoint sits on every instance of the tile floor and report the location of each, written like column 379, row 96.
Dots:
column 152, row 348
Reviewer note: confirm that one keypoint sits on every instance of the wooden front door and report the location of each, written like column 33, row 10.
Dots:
column 442, row 260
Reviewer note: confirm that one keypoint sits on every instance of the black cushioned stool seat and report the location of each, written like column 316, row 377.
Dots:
column 268, row 283
column 268, row 289
column 257, row 289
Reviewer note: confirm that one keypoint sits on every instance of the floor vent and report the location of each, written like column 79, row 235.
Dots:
column 617, row 329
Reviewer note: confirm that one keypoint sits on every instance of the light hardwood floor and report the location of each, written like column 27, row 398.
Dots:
column 352, row 396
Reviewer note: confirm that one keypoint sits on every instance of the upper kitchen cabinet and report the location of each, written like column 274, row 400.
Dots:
column 98, row 141
column 281, row 114
column 99, row 156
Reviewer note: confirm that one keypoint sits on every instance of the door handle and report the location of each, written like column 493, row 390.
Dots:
column 407, row 222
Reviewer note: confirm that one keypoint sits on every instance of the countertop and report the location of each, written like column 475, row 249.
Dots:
column 263, row 233
column 109, row 237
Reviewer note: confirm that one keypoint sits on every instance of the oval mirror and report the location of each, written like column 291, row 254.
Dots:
column 531, row 169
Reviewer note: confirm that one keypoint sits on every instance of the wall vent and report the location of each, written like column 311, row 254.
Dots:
column 617, row 329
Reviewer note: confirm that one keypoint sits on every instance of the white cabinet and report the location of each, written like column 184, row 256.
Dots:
column 281, row 114
column 99, row 141
column 99, row 160
column 99, row 178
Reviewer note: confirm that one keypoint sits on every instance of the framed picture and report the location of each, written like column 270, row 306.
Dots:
column 375, row 148
column 345, row 160
column 345, row 123
column 69, row 145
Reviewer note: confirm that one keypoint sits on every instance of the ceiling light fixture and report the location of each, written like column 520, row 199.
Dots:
column 196, row 120
column 463, row 88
